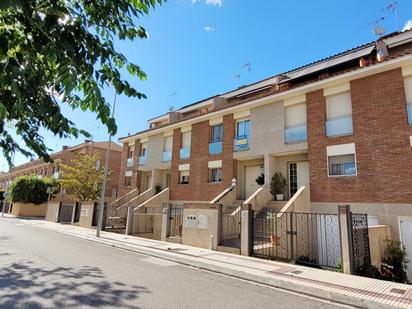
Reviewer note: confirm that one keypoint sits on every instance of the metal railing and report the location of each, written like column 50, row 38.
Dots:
column 339, row 126
column 296, row 133
column 306, row 238
column 360, row 241
column 230, row 228
column 175, row 221
column 167, row 156
column 215, row 147
column 144, row 219
column 184, row 153
column 241, row 143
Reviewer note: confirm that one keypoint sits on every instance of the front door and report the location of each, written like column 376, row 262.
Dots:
column 252, row 172
column 298, row 176
column 406, row 238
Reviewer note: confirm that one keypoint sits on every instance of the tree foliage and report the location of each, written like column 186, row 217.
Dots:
column 55, row 52
column 83, row 179
column 31, row 189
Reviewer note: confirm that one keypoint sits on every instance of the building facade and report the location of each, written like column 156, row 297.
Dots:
column 65, row 156
column 339, row 128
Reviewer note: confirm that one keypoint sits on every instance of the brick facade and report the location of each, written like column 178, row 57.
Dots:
column 199, row 189
column 381, row 136
column 135, row 182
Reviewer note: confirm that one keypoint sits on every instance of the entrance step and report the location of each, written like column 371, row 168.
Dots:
column 228, row 249
column 278, row 205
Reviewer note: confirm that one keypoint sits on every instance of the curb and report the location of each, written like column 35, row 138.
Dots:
column 183, row 259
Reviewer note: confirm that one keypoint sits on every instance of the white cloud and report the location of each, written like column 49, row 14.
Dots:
column 209, row 28
column 214, row 2
column 408, row 25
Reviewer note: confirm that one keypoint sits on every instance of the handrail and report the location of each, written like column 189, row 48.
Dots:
column 222, row 194
column 151, row 199
column 250, row 198
column 135, row 198
column 291, row 202
column 123, row 196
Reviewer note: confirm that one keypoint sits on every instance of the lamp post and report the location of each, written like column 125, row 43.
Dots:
column 106, row 167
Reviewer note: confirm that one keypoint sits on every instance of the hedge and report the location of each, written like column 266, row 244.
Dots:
column 29, row 189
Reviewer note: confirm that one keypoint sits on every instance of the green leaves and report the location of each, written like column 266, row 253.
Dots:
column 62, row 52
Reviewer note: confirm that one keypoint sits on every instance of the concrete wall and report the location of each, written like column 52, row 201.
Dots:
column 86, row 215
column 29, row 210
column 377, row 236
column 52, row 212
column 267, row 132
column 155, row 153
column 201, row 237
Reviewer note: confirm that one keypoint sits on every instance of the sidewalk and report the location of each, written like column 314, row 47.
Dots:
column 337, row 287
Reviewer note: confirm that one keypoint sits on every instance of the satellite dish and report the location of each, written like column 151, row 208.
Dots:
column 171, row 109
column 378, row 30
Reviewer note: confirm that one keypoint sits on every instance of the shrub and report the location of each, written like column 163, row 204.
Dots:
column 395, row 263
column 260, row 180
column 29, row 189
column 278, row 184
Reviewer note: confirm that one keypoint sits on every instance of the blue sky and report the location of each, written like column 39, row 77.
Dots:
column 197, row 47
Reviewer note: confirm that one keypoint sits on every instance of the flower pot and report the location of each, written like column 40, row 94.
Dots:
column 280, row 197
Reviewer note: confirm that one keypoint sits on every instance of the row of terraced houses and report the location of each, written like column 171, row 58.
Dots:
column 339, row 130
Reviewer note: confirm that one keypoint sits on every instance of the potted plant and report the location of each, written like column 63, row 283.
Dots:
column 260, row 180
column 278, row 186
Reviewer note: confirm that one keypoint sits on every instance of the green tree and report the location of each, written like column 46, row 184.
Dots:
column 83, row 178
column 55, row 52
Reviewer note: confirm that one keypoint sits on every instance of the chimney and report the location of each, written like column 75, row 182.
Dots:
column 86, row 141
column 65, row 147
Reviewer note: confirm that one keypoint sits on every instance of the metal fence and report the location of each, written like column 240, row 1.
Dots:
column 175, row 220
column 360, row 241
column 307, row 238
column 65, row 213
column 144, row 219
column 230, row 226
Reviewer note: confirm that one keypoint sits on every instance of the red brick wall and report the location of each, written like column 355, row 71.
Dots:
column 198, row 188
column 381, row 136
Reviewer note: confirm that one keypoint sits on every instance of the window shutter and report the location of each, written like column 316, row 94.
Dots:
column 186, row 136
column 295, row 114
column 168, row 141
column 339, row 105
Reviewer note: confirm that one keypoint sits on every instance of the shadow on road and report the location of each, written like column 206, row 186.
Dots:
column 23, row 285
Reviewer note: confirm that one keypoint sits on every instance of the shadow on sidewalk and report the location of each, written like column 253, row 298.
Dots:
column 23, row 285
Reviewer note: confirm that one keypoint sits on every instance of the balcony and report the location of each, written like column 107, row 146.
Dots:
column 409, row 113
column 215, row 147
column 129, row 162
column 167, row 156
column 143, row 160
column 241, row 143
column 184, row 153
column 339, row 126
column 296, row 133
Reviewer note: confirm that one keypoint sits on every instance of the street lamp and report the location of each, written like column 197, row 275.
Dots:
column 106, row 167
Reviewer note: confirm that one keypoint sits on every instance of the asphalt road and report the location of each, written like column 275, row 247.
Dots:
column 45, row 269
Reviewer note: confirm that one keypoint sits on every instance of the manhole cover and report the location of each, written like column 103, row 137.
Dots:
column 176, row 249
column 398, row 291
column 296, row 272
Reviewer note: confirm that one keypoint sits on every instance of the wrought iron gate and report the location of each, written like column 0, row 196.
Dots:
column 175, row 220
column 144, row 220
column 230, row 226
column 360, row 241
column 65, row 213
column 307, row 238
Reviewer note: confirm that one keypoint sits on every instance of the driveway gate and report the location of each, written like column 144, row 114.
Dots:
column 65, row 213
column 307, row 238
column 230, row 226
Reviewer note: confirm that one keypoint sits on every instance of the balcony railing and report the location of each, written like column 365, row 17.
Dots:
column 409, row 113
column 241, row 143
column 142, row 160
column 215, row 147
column 184, row 153
column 296, row 133
column 339, row 126
column 129, row 162
column 167, row 156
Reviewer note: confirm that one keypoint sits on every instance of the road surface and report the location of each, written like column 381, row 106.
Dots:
column 45, row 269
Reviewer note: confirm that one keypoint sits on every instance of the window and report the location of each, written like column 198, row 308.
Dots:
column 342, row 165
column 184, row 177
column 216, row 133
column 215, row 175
column 295, row 123
column 242, row 128
column 339, row 114
column 143, row 151
column 114, row 191
column 293, row 179
column 408, row 92
column 127, row 181
column 130, row 151
column 186, row 136
column 167, row 143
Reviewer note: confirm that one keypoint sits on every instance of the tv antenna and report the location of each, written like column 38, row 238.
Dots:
column 171, row 108
column 247, row 66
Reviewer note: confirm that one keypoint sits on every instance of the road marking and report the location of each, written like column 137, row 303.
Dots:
column 159, row 262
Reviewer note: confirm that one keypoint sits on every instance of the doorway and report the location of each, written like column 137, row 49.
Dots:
column 298, row 176
column 252, row 172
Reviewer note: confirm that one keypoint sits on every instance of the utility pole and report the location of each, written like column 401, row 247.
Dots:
column 106, row 167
